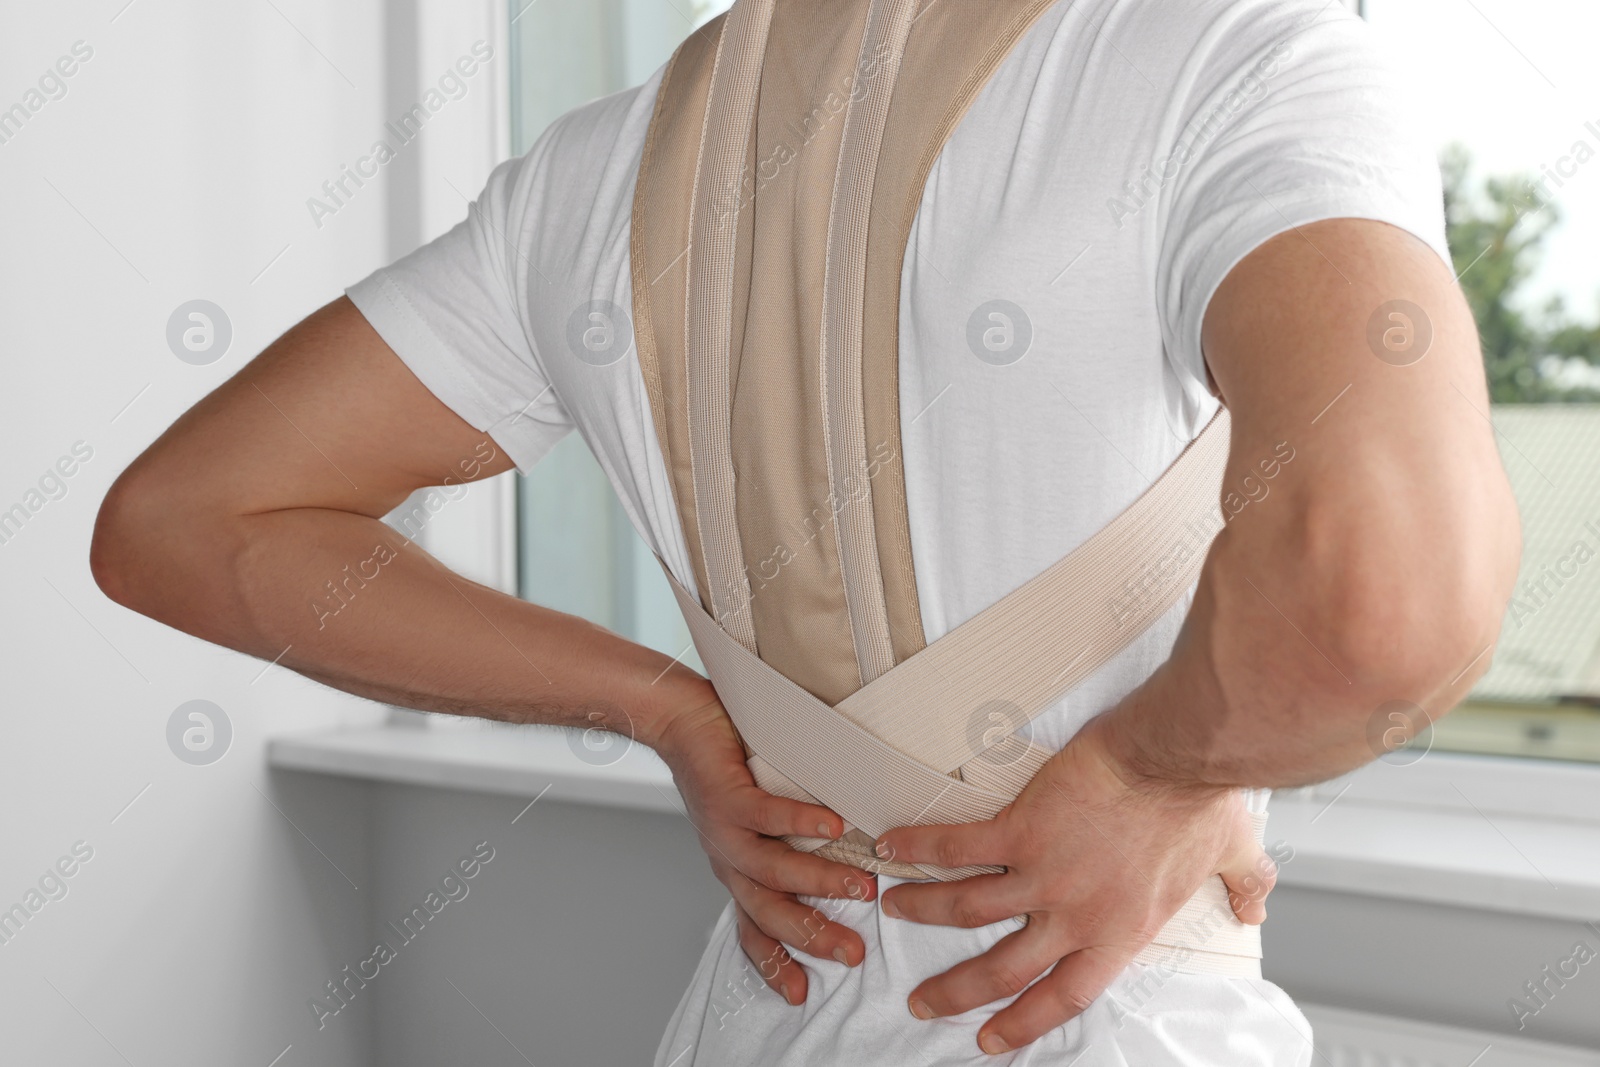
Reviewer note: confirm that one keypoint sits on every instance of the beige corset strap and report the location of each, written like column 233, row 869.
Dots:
column 1026, row 646
column 730, row 113
column 934, row 737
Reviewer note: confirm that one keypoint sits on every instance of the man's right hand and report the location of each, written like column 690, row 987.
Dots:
column 740, row 826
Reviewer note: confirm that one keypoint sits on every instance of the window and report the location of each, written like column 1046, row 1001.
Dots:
column 1510, row 90
column 577, row 550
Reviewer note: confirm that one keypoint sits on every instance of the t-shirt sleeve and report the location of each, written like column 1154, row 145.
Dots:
column 1300, row 115
column 452, row 313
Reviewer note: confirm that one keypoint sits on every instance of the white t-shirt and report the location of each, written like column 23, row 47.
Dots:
column 1123, row 158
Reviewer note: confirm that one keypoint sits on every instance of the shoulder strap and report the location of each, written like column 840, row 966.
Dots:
column 709, row 264
column 835, row 696
column 813, row 565
column 882, row 758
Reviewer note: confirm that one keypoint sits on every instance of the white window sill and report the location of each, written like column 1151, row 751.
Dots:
column 485, row 757
column 1516, row 836
column 1512, row 835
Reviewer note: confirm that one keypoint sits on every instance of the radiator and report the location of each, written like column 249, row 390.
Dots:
column 1360, row 1039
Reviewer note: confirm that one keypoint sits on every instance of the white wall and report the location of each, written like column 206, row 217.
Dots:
column 571, row 947
column 177, row 165
column 1434, row 962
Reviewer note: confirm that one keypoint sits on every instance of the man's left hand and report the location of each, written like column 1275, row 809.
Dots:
column 1097, row 859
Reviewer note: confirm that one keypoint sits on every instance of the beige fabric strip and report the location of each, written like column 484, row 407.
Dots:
column 658, row 246
column 1041, row 640
column 883, row 43
column 877, row 787
column 872, row 785
column 940, row 709
column 886, row 753
column 784, row 498
column 785, row 502
column 958, row 705
column 725, row 139
column 952, row 51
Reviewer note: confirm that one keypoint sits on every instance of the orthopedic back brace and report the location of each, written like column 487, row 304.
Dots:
column 781, row 175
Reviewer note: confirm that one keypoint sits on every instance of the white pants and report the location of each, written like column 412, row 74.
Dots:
column 852, row 1016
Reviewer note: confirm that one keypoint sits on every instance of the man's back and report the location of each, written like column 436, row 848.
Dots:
column 1054, row 283
column 1120, row 161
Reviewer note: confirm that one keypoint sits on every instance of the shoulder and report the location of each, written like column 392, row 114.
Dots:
column 603, row 135
column 1208, row 25
column 1190, row 43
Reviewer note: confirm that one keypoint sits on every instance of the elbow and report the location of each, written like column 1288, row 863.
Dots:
column 115, row 551
column 160, row 550
column 146, row 542
column 1415, row 615
column 1421, row 641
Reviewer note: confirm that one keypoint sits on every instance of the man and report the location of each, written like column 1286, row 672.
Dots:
column 1147, row 208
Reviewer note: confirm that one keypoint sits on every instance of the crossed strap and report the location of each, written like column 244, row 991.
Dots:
column 927, row 743
column 940, row 737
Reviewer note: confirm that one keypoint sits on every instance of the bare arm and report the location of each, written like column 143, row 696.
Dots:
column 1374, row 569
column 1378, row 564
column 255, row 522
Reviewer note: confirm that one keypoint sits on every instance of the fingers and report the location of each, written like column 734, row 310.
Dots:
column 777, row 816
column 775, row 865
column 958, row 845
column 711, row 771
column 1061, row 995
column 1247, row 870
column 969, row 903
column 1003, row 971
column 780, row 917
column 772, row 961
column 740, row 827
column 1249, row 878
